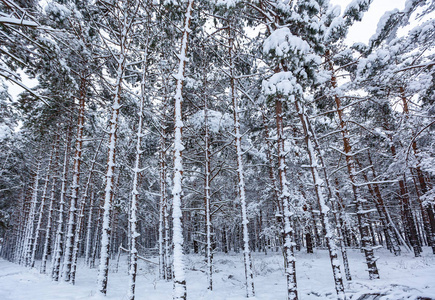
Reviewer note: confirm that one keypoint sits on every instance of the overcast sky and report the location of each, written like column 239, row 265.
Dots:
column 362, row 31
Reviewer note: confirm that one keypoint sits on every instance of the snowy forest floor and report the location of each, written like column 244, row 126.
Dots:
column 403, row 277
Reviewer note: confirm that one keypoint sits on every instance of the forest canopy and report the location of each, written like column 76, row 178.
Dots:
column 170, row 127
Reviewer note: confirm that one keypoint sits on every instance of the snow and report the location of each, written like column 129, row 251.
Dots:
column 227, row 3
column 15, row 21
column 5, row 132
column 57, row 10
column 382, row 23
column 282, row 41
column 216, row 120
column 179, row 291
column 402, row 277
column 336, row 24
column 283, row 83
column 355, row 5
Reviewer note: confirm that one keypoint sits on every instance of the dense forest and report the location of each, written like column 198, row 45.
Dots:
column 168, row 127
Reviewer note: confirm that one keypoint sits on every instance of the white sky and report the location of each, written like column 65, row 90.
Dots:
column 362, row 31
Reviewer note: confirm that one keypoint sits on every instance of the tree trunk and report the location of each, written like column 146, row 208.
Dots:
column 392, row 243
column 48, row 229
column 288, row 231
column 358, row 201
column 109, row 181
column 178, row 261
column 42, row 206
column 323, row 208
column 89, row 230
column 81, row 215
column 135, row 194
column 427, row 211
column 163, row 215
column 58, row 245
column 207, row 179
column 72, row 220
column 31, row 219
column 249, row 277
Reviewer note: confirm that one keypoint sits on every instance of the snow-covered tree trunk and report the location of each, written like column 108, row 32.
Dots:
column 269, row 157
column 249, row 276
column 288, row 231
column 97, row 236
column 336, row 208
column 81, row 214
column 341, row 234
column 124, row 13
column 109, row 181
column 42, row 207
column 390, row 237
column 162, row 203
column 178, row 260
column 207, row 196
column 31, row 219
column 72, row 219
column 323, row 208
column 409, row 223
column 20, row 257
column 20, row 227
column 427, row 211
column 135, row 194
column 363, row 225
column 89, row 231
column 163, row 215
column 48, row 228
column 167, row 241
column 58, row 244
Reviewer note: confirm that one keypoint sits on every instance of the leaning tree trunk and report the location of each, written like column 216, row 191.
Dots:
column 362, row 217
column 323, row 208
column 20, row 226
column 409, row 224
column 336, row 208
column 427, row 211
column 387, row 227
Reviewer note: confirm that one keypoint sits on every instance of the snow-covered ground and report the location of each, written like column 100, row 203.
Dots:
column 404, row 277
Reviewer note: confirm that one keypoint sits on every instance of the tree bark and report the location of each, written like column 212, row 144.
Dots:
column 249, row 277
column 180, row 292
column 323, row 208
column 58, row 244
column 361, row 215
column 288, row 230
column 72, row 220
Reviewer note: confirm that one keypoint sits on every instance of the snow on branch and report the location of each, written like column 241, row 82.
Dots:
column 19, row 22
column 282, row 41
